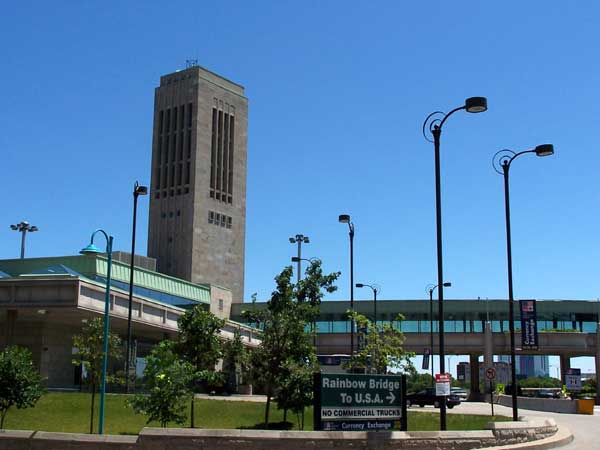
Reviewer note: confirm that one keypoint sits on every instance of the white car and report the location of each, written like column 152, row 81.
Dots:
column 460, row 392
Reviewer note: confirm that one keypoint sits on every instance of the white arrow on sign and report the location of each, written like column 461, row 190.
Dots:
column 391, row 397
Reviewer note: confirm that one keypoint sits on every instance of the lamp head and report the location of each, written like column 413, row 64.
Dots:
column 295, row 259
column 14, row 227
column 91, row 249
column 292, row 240
column 344, row 218
column 359, row 285
column 141, row 190
column 544, row 150
column 306, row 240
column 476, row 104
column 34, row 228
column 447, row 284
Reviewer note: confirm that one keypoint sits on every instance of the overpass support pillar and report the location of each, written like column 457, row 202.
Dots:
column 565, row 364
column 475, row 395
column 597, row 358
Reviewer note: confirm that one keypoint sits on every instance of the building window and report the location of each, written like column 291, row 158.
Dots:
column 222, row 153
column 220, row 304
column 211, row 217
column 228, row 222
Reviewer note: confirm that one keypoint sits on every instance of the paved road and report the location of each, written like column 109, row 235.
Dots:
column 585, row 428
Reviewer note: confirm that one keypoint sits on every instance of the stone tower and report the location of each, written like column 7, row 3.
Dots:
column 197, row 223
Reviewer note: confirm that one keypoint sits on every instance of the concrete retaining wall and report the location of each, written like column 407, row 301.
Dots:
column 187, row 439
column 541, row 404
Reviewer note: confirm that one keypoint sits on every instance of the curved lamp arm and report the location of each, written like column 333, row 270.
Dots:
column 502, row 159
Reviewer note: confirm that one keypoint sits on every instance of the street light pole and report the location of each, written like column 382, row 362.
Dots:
column 430, row 289
column 91, row 249
column 299, row 239
column 375, row 290
column 504, row 158
column 345, row 218
column 23, row 227
column 435, row 124
column 137, row 191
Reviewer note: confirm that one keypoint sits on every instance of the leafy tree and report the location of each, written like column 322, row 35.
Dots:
column 296, row 387
column 200, row 344
column 418, row 381
column 235, row 358
column 537, row 382
column 90, row 346
column 20, row 381
column 168, row 380
column 381, row 349
column 285, row 339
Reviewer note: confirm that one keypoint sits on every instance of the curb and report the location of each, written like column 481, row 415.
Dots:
column 562, row 437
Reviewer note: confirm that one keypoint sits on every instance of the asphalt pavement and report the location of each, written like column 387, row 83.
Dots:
column 584, row 427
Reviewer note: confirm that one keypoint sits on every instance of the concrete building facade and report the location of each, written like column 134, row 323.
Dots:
column 197, row 214
column 44, row 302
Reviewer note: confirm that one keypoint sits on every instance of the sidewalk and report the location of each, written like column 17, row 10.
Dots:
column 234, row 398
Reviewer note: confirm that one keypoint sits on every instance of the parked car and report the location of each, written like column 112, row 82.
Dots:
column 428, row 397
column 548, row 393
column 462, row 393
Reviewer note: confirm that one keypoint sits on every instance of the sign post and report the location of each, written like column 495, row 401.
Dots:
column 353, row 402
column 442, row 384
column 573, row 380
column 490, row 374
column 529, row 334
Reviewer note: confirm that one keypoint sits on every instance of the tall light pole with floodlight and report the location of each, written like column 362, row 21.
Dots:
column 435, row 122
column 501, row 162
column 137, row 191
column 345, row 218
column 430, row 288
column 24, row 227
column 91, row 249
column 299, row 239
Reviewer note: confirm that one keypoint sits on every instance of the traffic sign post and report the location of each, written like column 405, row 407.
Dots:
column 352, row 402
column 442, row 384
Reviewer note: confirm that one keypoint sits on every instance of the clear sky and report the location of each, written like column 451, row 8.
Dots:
column 337, row 94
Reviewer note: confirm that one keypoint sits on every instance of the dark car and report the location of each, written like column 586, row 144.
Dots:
column 428, row 397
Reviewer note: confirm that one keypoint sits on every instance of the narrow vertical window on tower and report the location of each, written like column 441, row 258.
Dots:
column 213, row 153
column 230, row 165
column 224, row 183
column 219, row 155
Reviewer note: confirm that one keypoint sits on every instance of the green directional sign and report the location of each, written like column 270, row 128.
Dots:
column 350, row 402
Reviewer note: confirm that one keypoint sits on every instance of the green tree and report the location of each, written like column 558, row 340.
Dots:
column 285, row 340
column 381, row 349
column 200, row 344
column 418, row 381
column 537, row 382
column 296, row 387
column 168, row 380
column 90, row 347
column 20, row 381
column 235, row 358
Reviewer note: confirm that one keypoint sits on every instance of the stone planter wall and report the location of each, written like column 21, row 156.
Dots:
column 503, row 433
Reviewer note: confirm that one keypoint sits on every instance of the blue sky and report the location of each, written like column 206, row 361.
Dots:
column 338, row 92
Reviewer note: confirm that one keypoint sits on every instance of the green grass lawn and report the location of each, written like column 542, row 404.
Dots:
column 70, row 412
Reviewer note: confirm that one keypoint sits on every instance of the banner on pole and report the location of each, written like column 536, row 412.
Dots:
column 529, row 333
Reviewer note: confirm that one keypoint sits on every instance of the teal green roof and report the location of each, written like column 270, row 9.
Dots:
column 96, row 266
